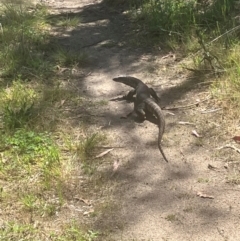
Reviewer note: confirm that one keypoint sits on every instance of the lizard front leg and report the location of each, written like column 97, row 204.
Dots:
column 129, row 96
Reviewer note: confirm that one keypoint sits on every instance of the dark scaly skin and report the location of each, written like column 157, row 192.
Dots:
column 143, row 102
column 134, row 83
column 154, row 108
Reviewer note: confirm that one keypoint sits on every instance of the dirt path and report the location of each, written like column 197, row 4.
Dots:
column 154, row 200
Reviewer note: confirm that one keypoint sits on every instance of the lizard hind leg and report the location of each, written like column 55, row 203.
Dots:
column 139, row 109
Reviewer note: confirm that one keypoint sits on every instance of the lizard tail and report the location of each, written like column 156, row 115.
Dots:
column 160, row 134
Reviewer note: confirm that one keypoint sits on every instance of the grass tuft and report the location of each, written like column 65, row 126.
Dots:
column 70, row 59
column 17, row 103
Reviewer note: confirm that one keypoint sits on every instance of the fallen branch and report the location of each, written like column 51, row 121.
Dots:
column 185, row 123
column 185, row 106
column 229, row 146
column 104, row 153
column 211, row 111
column 203, row 195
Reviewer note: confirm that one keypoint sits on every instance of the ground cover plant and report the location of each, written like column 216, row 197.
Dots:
column 205, row 31
column 37, row 157
column 48, row 145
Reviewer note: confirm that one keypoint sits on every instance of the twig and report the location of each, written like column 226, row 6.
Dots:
column 170, row 32
column 109, row 147
column 211, row 111
column 229, row 146
column 193, row 70
column 185, row 106
column 229, row 31
column 90, row 45
column 104, row 153
column 207, row 44
column 185, row 123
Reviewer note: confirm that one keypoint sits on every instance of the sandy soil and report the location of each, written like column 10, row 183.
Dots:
column 154, row 200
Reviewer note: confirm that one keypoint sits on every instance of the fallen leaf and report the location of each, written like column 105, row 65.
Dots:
column 203, row 195
column 104, row 153
column 237, row 139
column 211, row 167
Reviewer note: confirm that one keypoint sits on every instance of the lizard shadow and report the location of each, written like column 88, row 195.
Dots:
column 148, row 117
column 129, row 100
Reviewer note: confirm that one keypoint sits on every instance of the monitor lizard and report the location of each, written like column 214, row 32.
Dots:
column 143, row 103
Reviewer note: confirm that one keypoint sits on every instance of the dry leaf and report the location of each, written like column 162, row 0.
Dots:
column 237, row 139
column 104, row 153
column 211, row 167
column 203, row 195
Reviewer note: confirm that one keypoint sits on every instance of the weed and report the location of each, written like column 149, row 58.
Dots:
column 86, row 147
column 23, row 40
column 47, row 209
column 32, row 173
column 171, row 218
column 101, row 103
column 203, row 180
column 68, row 22
column 188, row 210
column 29, row 202
column 73, row 232
column 17, row 231
column 69, row 58
column 17, row 104
column 86, row 151
column 29, row 151
column 27, row 232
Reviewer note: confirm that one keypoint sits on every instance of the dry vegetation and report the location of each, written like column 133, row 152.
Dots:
column 39, row 154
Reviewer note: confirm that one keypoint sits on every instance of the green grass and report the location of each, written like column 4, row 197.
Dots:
column 29, row 153
column 16, row 231
column 70, row 58
column 37, row 168
column 17, row 103
column 178, row 20
column 205, row 31
column 68, row 22
column 23, row 41
column 27, row 48
column 45, row 146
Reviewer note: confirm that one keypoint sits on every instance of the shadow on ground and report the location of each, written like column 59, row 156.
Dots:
column 147, row 188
